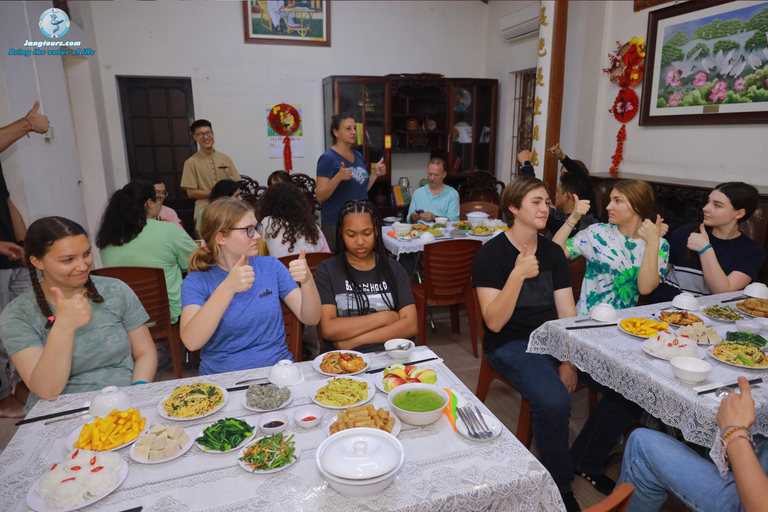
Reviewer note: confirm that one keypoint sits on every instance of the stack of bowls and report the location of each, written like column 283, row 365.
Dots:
column 360, row 462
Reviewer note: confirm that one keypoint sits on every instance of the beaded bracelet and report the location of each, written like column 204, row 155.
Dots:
column 726, row 460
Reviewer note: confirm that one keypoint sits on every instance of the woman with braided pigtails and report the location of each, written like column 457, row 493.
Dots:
column 72, row 332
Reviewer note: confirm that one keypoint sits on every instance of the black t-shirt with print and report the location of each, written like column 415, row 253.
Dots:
column 536, row 302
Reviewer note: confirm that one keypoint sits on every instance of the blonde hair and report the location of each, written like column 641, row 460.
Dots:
column 639, row 195
column 220, row 216
column 515, row 192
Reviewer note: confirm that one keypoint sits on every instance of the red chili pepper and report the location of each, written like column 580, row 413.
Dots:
column 345, row 357
column 68, row 479
column 54, row 466
column 93, row 460
column 96, row 470
column 75, row 454
column 75, row 468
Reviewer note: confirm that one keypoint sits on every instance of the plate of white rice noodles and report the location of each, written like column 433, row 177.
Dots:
column 666, row 345
column 82, row 478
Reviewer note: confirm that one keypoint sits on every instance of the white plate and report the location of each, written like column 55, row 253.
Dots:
column 244, row 465
column 621, row 329
column 75, row 435
column 242, row 443
column 161, row 409
column 720, row 319
column 493, row 424
column 256, row 409
column 319, row 359
column 704, row 318
column 184, row 449
column 395, row 428
column 742, row 366
column 481, row 234
column 38, row 504
column 701, row 352
column 317, row 385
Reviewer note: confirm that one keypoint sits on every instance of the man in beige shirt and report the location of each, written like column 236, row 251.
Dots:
column 206, row 167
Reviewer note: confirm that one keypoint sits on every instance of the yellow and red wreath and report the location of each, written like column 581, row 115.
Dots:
column 284, row 119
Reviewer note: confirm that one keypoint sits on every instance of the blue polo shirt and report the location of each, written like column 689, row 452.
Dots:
column 444, row 204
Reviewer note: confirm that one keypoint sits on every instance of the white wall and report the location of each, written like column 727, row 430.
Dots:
column 714, row 153
column 232, row 82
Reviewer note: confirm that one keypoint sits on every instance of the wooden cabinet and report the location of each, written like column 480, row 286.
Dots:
column 450, row 118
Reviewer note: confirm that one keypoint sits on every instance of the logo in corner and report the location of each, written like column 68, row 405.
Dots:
column 54, row 23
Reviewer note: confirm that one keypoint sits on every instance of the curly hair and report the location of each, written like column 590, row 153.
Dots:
column 125, row 216
column 288, row 212
column 41, row 235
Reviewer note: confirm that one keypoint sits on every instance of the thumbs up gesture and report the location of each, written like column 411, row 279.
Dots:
column 381, row 168
column 299, row 268
column 241, row 276
column 39, row 122
column 345, row 174
column 650, row 230
column 698, row 240
column 71, row 313
column 526, row 265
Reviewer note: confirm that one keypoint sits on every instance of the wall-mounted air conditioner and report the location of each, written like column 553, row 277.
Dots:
column 519, row 24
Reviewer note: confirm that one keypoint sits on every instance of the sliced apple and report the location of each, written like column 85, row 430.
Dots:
column 390, row 384
column 392, row 368
column 428, row 377
column 416, row 372
column 409, row 369
column 414, row 381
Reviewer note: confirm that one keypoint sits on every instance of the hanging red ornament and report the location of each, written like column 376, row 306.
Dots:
column 618, row 156
column 285, row 120
column 625, row 105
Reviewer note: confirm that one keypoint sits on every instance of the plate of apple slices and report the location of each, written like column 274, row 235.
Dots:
column 398, row 374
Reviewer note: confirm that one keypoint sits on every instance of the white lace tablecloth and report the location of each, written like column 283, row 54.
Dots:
column 442, row 470
column 398, row 247
column 616, row 360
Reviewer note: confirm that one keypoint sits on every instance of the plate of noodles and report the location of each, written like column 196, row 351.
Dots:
column 192, row 401
column 737, row 354
column 342, row 392
column 72, row 484
column 341, row 362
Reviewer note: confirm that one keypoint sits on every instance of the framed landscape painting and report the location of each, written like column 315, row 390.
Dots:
column 706, row 63
column 292, row 22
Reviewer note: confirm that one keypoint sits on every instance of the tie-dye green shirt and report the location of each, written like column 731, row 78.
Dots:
column 613, row 265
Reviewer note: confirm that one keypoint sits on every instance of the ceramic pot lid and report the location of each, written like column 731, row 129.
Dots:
column 360, row 453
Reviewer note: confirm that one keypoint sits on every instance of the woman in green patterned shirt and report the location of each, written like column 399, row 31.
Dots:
column 626, row 257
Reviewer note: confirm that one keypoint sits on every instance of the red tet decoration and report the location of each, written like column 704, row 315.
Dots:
column 625, row 105
column 285, row 120
column 618, row 156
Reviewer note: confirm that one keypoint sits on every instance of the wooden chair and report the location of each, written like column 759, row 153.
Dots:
column 447, row 282
column 149, row 286
column 617, row 501
column 524, row 432
column 481, row 186
column 577, row 268
column 293, row 328
column 307, row 185
column 479, row 206
column 251, row 191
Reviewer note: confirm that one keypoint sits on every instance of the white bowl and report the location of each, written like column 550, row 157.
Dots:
column 273, row 416
column 603, row 313
column 401, row 229
column 399, row 355
column 757, row 290
column 308, row 410
column 359, row 488
column 686, row 301
column 690, row 369
column 427, row 237
column 284, row 373
column 476, row 218
column 442, row 220
column 762, row 322
column 109, row 399
column 418, row 418
column 748, row 326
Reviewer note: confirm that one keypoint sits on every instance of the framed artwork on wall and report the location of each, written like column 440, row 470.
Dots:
column 292, row 22
column 706, row 63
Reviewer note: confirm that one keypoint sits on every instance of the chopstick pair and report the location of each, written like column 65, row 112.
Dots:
column 757, row 380
column 49, row 416
column 594, row 326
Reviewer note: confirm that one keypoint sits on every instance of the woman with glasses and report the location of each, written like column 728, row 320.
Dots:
column 130, row 237
column 289, row 226
column 231, row 299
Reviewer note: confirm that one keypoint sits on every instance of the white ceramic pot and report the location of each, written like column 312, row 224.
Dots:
column 109, row 399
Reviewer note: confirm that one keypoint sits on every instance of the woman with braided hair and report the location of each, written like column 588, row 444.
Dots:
column 72, row 332
column 366, row 295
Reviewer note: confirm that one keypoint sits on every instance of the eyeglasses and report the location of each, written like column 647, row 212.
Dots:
column 202, row 135
column 250, row 231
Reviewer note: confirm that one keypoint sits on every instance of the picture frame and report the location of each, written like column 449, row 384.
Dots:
column 706, row 63
column 301, row 22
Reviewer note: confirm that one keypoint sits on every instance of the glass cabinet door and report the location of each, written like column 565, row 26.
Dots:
column 472, row 111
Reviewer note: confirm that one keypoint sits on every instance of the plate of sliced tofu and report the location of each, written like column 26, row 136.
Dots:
column 700, row 333
column 162, row 443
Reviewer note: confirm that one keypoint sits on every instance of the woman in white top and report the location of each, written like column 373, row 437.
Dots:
column 288, row 224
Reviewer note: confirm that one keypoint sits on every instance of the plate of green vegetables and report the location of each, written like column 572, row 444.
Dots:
column 226, row 435
column 269, row 454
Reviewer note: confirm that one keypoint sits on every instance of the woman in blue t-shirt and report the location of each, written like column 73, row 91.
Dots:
column 715, row 256
column 342, row 174
column 231, row 299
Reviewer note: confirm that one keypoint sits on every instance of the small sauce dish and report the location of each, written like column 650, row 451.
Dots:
column 308, row 416
column 273, row 422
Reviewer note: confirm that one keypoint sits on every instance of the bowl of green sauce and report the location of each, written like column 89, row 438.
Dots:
column 418, row 404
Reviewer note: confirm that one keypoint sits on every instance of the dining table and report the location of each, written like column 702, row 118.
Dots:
column 443, row 469
column 616, row 359
column 398, row 246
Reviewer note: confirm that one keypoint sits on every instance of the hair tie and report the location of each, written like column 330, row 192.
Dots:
column 51, row 318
